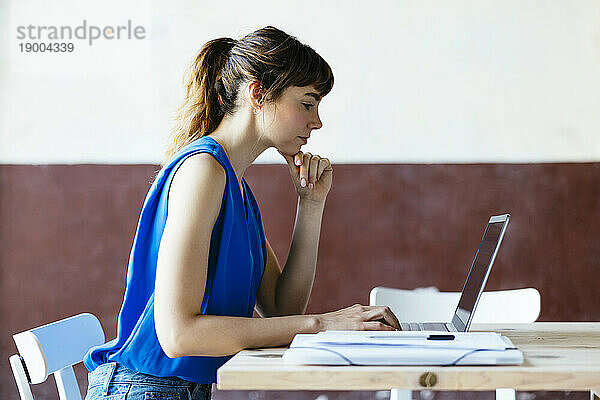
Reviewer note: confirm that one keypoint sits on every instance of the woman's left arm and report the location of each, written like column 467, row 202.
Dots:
column 286, row 293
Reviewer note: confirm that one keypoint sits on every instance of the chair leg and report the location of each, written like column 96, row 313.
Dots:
column 66, row 382
column 505, row 394
column 20, row 377
column 401, row 394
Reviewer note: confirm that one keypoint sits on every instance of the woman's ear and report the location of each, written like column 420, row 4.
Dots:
column 255, row 95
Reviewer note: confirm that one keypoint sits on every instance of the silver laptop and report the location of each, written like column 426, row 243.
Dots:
column 478, row 275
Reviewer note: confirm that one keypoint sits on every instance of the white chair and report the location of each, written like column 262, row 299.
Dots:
column 428, row 304
column 54, row 349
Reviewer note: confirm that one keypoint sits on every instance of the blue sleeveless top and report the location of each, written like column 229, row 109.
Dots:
column 236, row 263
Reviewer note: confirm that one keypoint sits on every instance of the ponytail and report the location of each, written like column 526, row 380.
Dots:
column 202, row 109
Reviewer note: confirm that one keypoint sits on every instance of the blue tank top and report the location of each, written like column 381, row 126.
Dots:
column 236, row 263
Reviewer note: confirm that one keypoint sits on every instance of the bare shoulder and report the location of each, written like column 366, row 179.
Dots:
column 200, row 164
column 199, row 179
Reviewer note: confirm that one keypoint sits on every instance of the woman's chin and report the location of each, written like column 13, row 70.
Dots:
column 290, row 149
column 293, row 150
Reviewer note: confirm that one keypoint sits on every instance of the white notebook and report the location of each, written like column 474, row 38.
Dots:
column 402, row 348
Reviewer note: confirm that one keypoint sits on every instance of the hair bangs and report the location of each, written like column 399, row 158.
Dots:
column 310, row 69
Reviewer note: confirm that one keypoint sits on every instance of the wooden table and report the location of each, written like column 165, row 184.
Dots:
column 558, row 356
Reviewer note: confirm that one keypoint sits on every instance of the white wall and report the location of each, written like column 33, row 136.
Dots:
column 416, row 81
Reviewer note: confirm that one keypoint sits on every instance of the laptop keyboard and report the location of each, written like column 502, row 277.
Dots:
column 423, row 326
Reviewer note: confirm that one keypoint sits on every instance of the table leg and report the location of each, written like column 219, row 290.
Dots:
column 505, row 394
column 400, row 394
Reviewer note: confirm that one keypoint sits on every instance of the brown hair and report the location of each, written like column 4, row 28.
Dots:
column 270, row 56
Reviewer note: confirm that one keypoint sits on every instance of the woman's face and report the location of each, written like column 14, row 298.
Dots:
column 290, row 120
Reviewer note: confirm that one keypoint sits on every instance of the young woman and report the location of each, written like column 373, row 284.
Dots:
column 200, row 261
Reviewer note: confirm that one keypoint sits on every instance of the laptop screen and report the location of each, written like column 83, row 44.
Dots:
column 478, row 275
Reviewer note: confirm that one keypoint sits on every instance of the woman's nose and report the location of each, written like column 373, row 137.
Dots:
column 316, row 123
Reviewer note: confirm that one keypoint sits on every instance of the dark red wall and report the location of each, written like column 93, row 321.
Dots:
column 66, row 231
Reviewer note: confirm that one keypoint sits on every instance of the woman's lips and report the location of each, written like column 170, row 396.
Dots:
column 305, row 140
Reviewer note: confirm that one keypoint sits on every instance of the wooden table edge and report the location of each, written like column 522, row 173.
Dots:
column 237, row 375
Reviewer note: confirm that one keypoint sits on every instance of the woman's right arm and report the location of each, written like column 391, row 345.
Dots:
column 194, row 204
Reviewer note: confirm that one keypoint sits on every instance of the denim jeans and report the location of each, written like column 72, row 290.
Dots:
column 113, row 381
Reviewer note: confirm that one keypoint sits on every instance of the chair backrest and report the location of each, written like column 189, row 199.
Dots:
column 53, row 349
column 428, row 304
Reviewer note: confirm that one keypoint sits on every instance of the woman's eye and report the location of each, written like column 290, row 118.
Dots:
column 307, row 106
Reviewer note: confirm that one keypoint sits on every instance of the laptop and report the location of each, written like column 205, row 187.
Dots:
column 478, row 275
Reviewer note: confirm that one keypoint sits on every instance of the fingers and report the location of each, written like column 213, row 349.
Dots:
column 390, row 318
column 304, row 168
column 324, row 164
column 359, row 317
column 385, row 314
column 377, row 326
column 298, row 158
column 307, row 167
column 313, row 171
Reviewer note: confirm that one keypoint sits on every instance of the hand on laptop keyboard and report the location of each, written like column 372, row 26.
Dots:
column 383, row 321
column 358, row 317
